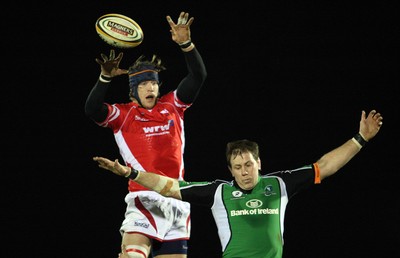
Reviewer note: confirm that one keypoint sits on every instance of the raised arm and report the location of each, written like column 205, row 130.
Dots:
column 190, row 86
column 109, row 65
column 334, row 160
column 163, row 185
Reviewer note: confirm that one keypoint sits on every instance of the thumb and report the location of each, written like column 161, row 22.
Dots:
column 123, row 71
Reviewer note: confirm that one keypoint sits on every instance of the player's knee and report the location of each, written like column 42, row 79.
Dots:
column 136, row 251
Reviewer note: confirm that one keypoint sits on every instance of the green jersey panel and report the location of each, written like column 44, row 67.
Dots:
column 254, row 219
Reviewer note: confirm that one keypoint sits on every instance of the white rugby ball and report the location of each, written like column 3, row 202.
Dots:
column 119, row 30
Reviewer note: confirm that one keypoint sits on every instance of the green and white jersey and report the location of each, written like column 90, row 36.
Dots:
column 250, row 223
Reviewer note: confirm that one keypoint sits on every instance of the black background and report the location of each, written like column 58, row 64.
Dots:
column 291, row 75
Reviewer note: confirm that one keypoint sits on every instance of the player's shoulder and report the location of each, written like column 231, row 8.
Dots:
column 222, row 181
column 167, row 96
column 126, row 106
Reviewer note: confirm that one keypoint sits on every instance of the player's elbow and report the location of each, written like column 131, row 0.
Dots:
column 90, row 109
column 202, row 76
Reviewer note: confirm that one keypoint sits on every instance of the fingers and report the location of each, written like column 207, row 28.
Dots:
column 372, row 113
column 170, row 22
column 119, row 57
column 183, row 18
column 376, row 116
column 112, row 54
column 99, row 61
column 190, row 21
column 101, row 160
column 105, row 58
column 111, row 57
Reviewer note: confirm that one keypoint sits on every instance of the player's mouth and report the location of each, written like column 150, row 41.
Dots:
column 247, row 181
column 150, row 97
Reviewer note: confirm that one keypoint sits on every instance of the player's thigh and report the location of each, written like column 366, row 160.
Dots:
column 135, row 241
column 136, row 238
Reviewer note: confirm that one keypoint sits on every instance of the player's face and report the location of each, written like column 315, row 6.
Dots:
column 148, row 93
column 244, row 169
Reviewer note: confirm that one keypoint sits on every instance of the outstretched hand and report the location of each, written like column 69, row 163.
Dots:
column 113, row 166
column 180, row 31
column 110, row 64
column 371, row 124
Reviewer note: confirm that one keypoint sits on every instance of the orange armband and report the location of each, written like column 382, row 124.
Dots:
column 317, row 177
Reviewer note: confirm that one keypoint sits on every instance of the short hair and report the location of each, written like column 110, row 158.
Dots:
column 141, row 64
column 239, row 147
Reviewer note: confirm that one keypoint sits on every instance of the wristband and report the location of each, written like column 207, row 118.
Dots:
column 134, row 174
column 104, row 78
column 185, row 44
column 360, row 140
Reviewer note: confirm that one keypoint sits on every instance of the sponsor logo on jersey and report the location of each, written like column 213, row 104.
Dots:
column 254, row 203
column 141, row 224
column 269, row 190
column 141, row 118
column 237, row 194
column 254, row 209
column 158, row 129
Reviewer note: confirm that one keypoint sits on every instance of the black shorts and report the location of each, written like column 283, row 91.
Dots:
column 169, row 247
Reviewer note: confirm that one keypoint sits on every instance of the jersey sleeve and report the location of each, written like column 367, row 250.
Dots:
column 113, row 116
column 190, row 86
column 200, row 193
column 298, row 179
column 94, row 107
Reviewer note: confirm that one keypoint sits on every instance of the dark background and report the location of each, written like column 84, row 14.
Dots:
column 291, row 75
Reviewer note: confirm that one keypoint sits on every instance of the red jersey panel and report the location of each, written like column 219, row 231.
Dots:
column 151, row 140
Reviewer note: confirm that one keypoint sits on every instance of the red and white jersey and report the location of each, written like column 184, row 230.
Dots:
column 150, row 140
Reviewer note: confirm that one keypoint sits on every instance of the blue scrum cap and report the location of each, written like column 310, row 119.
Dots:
column 145, row 74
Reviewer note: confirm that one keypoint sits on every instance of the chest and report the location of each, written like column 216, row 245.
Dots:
column 264, row 199
column 143, row 121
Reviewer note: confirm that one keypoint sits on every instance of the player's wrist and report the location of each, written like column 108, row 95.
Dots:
column 359, row 140
column 133, row 174
column 186, row 46
column 105, row 78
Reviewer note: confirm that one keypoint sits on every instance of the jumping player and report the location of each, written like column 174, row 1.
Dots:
column 149, row 132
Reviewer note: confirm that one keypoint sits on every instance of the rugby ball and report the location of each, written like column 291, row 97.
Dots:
column 119, row 30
